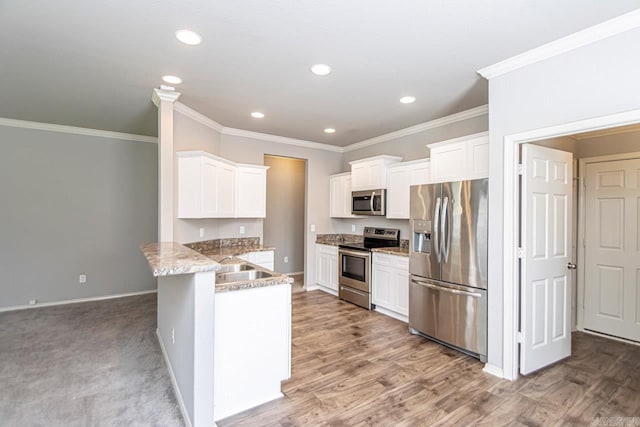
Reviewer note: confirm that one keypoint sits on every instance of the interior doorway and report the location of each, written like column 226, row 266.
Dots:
column 283, row 226
column 579, row 206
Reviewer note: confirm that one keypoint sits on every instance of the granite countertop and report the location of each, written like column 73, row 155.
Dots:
column 338, row 239
column 166, row 259
column 170, row 258
column 219, row 249
column 395, row 250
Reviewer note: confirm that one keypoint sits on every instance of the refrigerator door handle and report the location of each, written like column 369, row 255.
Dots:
column 436, row 233
column 443, row 229
column 443, row 289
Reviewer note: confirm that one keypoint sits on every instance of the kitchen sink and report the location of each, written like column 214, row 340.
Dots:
column 232, row 268
column 241, row 276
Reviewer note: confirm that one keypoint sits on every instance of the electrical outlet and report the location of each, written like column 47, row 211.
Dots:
column 286, row 259
column 313, row 228
column 173, row 335
column 82, row 278
column 33, row 301
column 201, row 232
column 242, row 229
column 353, row 227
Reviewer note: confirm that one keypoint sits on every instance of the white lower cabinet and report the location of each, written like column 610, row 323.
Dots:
column 390, row 286
column 327, row 268
column 262, row 258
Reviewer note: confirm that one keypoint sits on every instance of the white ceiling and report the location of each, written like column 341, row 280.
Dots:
column 94, row 64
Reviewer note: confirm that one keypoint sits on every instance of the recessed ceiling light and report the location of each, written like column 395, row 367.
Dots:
column 174, row 80
column 407, row 99
column 257, row 115
column 189, row 37
column 330, row 130
column 320, row 69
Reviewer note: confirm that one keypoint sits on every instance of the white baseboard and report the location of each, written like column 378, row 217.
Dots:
column 311, row 287
column 75, row 301
column 392, row 313
column 493, row 370
column 609, row 337
column 174, row 382
column 327, row 290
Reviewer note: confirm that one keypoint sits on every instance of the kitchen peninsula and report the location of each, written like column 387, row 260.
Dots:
column 226, row 341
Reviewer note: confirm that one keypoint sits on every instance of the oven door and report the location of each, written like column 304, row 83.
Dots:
column 355, row 269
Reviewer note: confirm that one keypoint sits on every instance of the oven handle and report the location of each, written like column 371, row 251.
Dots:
column 355, row 253
column 442, row 288
column 355, row 291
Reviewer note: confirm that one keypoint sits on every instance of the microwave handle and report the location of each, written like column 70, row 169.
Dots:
column 371, row 201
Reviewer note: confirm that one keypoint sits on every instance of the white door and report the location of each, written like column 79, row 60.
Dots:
column 612, row 248
column 545, row 280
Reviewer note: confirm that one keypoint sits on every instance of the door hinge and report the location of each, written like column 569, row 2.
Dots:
column 521, row 169
column 520, row 252
column 519, row 337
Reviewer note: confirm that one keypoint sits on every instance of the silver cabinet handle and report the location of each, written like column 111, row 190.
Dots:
column 441, row 288
column 436, row 234
column 366, row 255
column 355, row 291
column 444, row 238
column 571, row 266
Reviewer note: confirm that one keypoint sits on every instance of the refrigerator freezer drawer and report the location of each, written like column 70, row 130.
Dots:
column 453, row 314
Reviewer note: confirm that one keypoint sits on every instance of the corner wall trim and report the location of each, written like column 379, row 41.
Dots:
column 198, row 117
column 442, row 121
column 493, row 370
column 281, row 139
column 76, row 301
column 174, row 382
column 76, row 130
column 612, row 27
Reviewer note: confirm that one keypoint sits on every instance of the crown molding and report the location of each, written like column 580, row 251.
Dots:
column 598, row 32
column 432, row 145
column 77, row 130
column 442, row 121
column 164, row 95
column 281, row 139
column 198, row 117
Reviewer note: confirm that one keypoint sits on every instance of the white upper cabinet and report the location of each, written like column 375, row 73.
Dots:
column 251, row 191
column 206, row 186
column 212, row 187
column 371, row 173
column 460, row 158
column 400, row 178
column 340, row 196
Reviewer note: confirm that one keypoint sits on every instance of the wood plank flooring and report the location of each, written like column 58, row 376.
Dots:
column 351, row 367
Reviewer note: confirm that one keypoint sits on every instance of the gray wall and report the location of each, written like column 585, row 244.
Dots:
column 284, row 225
column 74, row 204
column 627, row 142
column 595, row 80
column 320, row 164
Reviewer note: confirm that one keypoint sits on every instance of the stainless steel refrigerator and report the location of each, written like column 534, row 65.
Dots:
column 448, row 264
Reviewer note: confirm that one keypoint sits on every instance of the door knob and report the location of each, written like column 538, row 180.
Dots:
column 571, row 266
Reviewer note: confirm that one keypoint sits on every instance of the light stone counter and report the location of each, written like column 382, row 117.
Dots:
column 170, row 258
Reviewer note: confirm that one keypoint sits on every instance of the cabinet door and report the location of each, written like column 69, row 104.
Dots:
column 420, row 174
column 449, row 163
column 478, row 158
column 398, row 193
column 346, row 197
column 333, row 272
column 382, row 286
column 226, row 191
column 251, row 193
column 377, row 175
column 322, row 269
column 360, row 177
column 336, row 197
column 210, row 186
column 401, row 291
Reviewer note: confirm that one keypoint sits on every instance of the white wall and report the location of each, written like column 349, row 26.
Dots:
column 320, row 164
column 627, row 142
column 595, row 80
column 74, row 204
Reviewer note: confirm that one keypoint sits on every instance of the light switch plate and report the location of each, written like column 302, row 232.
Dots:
column 313, row 228
column 201, row 232
column 353, row 227
column 242, row 230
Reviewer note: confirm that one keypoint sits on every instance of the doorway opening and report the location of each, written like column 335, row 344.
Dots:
column 284, row 225
column 579, row 243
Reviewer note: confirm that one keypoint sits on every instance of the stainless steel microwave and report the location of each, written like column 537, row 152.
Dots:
column 369, row 202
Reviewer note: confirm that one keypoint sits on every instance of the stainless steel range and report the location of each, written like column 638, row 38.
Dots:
column 355, row 264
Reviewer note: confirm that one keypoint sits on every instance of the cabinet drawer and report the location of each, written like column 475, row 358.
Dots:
column 395, row 261
column 327, row 249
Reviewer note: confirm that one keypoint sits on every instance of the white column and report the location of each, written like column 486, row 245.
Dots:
column 164, row 100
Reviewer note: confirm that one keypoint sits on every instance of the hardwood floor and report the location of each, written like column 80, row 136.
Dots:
column 352, row 367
